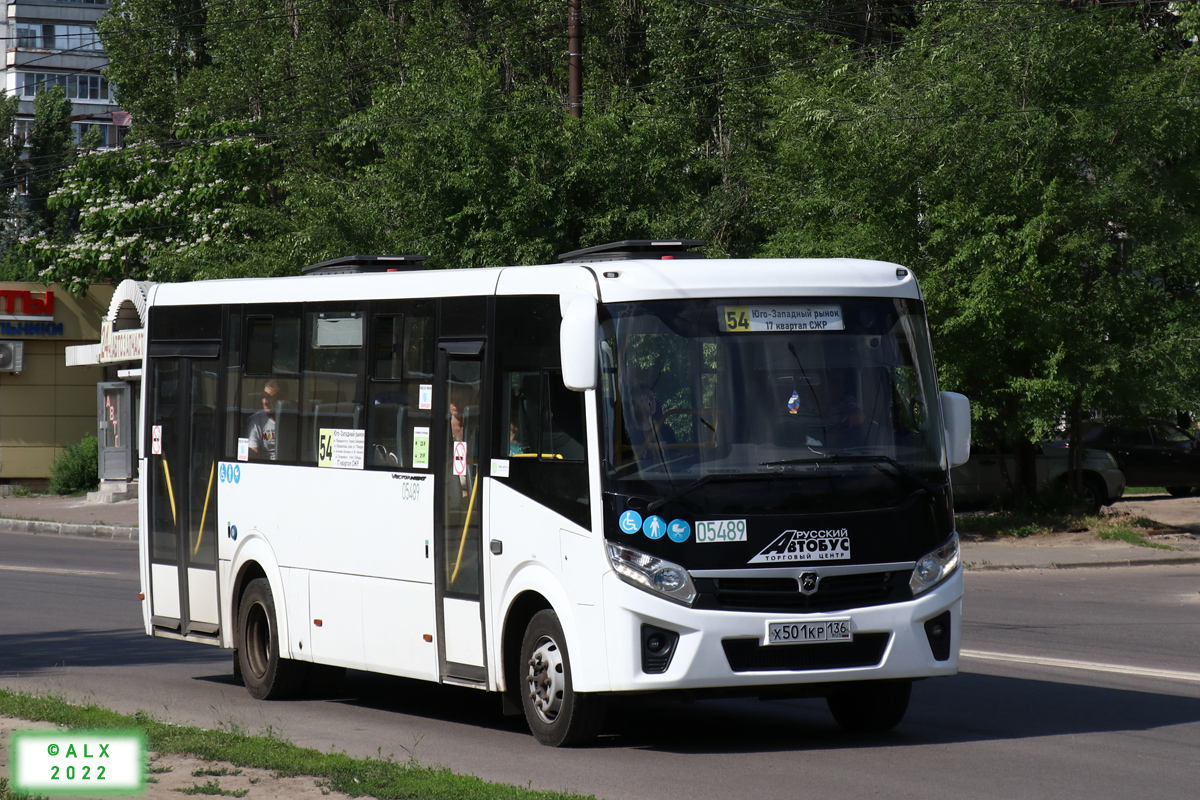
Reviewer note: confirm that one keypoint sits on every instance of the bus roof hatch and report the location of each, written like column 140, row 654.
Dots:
column 636, row 248
column 347, row 265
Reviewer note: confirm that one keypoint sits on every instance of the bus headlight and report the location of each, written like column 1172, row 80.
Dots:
column 932, row 568
column 652, row 574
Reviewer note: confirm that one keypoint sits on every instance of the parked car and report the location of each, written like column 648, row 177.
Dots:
column 979, row 481
column 1154, row 454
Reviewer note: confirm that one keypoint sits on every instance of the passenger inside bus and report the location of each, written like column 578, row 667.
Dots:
column 261, row 426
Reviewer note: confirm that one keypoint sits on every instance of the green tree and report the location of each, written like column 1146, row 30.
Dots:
column 1039, row 171
column 51, row 150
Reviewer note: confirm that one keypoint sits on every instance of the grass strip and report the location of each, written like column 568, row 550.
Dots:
column 384, row 778
column 1124, row 533
column 1015, row 525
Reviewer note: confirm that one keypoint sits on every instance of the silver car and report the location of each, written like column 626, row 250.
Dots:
column 979, row 482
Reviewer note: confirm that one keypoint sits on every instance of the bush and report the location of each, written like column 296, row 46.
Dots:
column 76, row 469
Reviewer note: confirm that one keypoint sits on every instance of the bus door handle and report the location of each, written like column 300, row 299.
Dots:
column 497, row 547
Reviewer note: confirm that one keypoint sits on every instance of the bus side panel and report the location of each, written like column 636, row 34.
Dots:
column 532, row 560
column 397, row 615
column 363, row 540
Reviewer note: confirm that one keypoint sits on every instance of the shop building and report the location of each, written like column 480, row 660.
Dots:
column 44, row 406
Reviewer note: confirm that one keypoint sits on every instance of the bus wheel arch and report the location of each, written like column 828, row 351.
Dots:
column 523, row 607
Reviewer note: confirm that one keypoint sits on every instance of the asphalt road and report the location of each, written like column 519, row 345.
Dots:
column 1075, row 684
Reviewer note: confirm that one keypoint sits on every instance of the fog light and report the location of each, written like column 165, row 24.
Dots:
column 937, row 630
column 658, row 646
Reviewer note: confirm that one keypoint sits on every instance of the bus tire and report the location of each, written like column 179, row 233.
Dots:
column 870, row 706
column 267, row 675
column 557, row 715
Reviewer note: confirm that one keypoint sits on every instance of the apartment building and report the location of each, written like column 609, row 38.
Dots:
column 54, row 42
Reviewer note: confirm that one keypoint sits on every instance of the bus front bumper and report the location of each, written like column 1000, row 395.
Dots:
column 725, row 649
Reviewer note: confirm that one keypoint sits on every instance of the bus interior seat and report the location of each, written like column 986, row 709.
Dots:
column 287, row 422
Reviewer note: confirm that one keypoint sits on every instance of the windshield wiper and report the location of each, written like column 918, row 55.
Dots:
column 696, row 484
column 874, row 460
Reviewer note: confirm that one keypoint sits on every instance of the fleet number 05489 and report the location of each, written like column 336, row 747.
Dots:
column 721, row 530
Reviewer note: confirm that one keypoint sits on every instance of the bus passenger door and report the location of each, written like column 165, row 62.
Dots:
column 459, row 511
column 182, row 450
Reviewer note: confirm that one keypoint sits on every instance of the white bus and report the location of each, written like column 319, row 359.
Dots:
column 636, row 471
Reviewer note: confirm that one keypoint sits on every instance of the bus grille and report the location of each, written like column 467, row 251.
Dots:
column 834, row 593
column 747, row 655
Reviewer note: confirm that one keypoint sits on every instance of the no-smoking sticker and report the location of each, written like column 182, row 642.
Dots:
column 460, row 458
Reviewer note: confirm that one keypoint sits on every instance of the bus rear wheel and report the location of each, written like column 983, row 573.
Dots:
column 267, row 675
column 870, row 706
column 557, row 715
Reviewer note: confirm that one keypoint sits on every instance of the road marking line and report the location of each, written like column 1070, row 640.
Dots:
column 1091, row 666
column 56, row 571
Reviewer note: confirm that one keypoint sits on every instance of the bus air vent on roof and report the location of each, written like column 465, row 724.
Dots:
column 636, row 248
column 356, row 264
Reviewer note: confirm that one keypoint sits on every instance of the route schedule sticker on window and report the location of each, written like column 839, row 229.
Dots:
column 420, row 448
column 341, row 448
column 78, row 763
column 755, row 319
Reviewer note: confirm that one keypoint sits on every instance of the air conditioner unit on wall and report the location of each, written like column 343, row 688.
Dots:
column 12, row 356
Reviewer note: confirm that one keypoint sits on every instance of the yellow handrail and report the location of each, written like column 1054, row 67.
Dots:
column 462, row 543
column 170, row 491
column 204, row 513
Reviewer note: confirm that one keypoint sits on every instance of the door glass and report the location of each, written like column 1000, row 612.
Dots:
column 462, row 498
column 202, row 497
column 167, row 469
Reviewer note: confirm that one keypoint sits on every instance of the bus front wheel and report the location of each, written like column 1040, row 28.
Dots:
column 870, row 706
column 557, row 715
column 267, row 676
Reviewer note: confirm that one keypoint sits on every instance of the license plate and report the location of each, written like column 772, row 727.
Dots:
column 825, row 630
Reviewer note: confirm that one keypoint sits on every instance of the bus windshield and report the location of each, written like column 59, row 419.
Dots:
column 703, row 390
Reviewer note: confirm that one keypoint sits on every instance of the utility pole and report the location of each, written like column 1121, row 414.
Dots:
column 574, row 59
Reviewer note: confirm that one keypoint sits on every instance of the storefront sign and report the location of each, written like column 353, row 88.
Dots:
column 128, row 345
column 23, row 314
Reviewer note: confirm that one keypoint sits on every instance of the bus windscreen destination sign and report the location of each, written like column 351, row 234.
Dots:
column 755, row 319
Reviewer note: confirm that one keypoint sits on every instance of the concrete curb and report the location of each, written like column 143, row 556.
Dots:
column 43, row 528
column 1116, row 562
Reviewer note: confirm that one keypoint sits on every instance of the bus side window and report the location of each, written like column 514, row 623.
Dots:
column 537, row 421
column 270, row 385
column 562, row 421
column 334, row 363
column 401, row 374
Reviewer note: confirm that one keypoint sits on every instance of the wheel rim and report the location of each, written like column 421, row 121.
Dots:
column 258, row 640
column 547, row 679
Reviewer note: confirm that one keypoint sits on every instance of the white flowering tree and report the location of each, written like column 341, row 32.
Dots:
column 145, row 211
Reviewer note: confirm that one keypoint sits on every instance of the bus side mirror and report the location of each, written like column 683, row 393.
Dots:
column 956, row 416
column 577, row 343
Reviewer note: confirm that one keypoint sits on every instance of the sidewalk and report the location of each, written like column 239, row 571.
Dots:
column 74, row 516
column 69, row 516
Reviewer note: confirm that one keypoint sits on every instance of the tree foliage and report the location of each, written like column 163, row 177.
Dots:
column 1036, row 163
